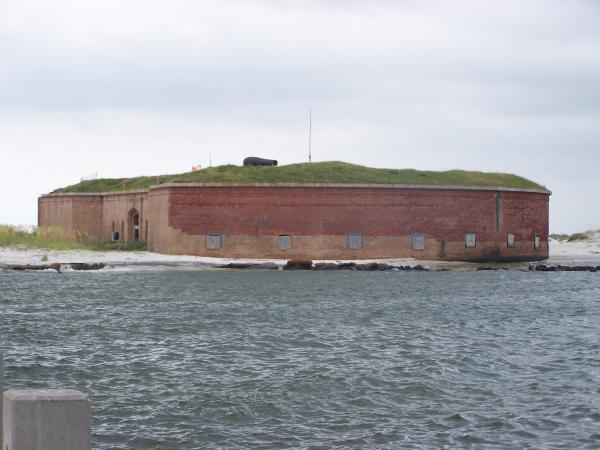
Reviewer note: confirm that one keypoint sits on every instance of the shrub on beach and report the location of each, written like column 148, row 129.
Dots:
column 582, row 236
column 40, row 237
column 56, row 238
column 578, row 237
column 559, row 237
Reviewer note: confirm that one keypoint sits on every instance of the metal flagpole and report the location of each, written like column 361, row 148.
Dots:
column 309, row 133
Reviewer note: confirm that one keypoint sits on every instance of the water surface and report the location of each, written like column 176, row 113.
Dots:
column 272, row 359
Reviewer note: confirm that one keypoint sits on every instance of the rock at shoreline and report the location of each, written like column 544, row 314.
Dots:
column 298, row 264
column 326, row 266
column 86, row 266
column 371, row 267
column 559, row 268
column 264, row 266
column 53, row 266
column 368, row 267
column 374, row 266
column 57, row 266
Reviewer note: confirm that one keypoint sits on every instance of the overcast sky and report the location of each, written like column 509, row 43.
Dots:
column 133, row 87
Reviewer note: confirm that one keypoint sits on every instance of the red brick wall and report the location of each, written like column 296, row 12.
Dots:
column 56, row 212
column 93, row 215
column 117, row 209
column 318, row 219
column 386, row 217
column 78, row 213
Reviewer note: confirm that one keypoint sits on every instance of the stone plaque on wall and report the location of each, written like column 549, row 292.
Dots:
column 470, row 240
column 510, row 240
column 355, row 241
column 284, row 242
column 214, row 241
column 418, row 241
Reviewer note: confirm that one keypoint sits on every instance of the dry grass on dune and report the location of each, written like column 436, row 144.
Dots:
column 56, row 238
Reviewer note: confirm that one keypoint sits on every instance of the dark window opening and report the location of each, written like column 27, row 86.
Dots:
column 136, row 227
column 134, row 224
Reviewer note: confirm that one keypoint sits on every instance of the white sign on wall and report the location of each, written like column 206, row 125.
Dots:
column 470, row 240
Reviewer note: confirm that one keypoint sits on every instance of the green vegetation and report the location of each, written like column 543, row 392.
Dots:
column 33, row 237
column 586, row 235
column 559, row 236
column 322, row 172
column 578, row 237
column 55, row 238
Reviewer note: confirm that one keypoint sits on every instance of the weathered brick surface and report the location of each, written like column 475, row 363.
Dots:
column 117, row 213
column 331, row 211
column 250, row 218
column 319, row 218
column 77, row 213
column 93, row 215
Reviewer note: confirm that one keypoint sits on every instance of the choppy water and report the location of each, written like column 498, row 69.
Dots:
column 179, row 360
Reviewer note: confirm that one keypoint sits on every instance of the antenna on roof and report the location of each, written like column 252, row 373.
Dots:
column 309, row 132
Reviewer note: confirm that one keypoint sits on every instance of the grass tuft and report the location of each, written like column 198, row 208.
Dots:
column 578, row 237
column 581, row 236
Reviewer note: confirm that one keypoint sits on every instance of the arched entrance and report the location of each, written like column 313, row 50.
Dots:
column 134, row 225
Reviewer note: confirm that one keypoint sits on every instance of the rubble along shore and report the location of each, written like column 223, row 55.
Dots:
column 580, row 256
column 55, row 266
column 309, row 265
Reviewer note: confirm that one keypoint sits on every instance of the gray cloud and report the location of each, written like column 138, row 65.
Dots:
column 509, row 86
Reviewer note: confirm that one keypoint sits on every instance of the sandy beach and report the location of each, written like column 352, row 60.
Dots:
column 561, row 252
column 125, row 260
column 584, row 250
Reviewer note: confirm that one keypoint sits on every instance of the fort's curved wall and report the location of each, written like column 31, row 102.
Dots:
column 247, row 220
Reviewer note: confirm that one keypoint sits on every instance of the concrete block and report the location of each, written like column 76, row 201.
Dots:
column 46, row 419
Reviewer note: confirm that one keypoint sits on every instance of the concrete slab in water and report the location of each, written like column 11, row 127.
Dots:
column 46, row 419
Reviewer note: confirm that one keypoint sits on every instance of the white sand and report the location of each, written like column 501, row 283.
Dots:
column 586, row 250
column 560, row 252
column 112, row 258
column 142, row 260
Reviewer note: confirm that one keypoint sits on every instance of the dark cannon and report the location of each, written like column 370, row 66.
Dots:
column 254, row 161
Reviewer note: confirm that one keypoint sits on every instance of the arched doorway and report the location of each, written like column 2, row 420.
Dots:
column 134, row 225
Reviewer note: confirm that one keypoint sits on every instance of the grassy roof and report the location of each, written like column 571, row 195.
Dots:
column 320, row 172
